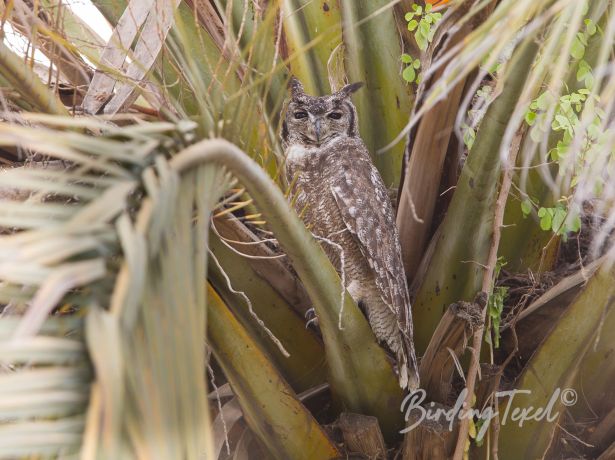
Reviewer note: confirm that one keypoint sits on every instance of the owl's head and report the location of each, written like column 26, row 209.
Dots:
column 314, row 121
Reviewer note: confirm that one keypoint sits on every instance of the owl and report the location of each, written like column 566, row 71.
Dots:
column 342, row 199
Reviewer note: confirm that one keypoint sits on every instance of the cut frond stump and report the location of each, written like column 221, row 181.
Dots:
column 362, row 435
column 450, row 338
column 432, row 438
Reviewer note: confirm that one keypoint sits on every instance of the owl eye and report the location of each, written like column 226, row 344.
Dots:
column 299, row 115
column 335, row 115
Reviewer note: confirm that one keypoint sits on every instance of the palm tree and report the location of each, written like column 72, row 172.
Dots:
column 153, row 278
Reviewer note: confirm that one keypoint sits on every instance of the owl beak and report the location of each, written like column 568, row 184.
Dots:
column 317, row 129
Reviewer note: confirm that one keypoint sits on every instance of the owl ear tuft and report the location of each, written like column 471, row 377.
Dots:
column 350, row 88
column 296, row 88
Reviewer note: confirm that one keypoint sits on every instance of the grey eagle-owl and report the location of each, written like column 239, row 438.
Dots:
column 343, row 201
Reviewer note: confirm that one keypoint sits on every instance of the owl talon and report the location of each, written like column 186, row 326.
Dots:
column 312, row 319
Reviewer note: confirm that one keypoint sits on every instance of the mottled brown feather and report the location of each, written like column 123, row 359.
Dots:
column 344, row 202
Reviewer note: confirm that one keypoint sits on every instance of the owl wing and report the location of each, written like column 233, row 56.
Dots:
column 364, row 205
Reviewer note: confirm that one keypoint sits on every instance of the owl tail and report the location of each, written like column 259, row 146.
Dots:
column 408, row 371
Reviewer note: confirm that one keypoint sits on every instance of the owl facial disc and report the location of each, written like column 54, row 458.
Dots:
column 312, row 121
